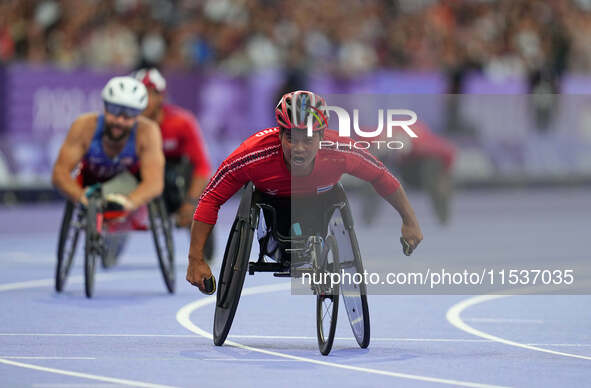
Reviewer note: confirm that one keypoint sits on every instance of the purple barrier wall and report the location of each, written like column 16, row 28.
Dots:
column 40, row 103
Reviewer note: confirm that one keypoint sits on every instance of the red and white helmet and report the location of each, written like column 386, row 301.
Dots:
column 151, row 78
column 296, row 108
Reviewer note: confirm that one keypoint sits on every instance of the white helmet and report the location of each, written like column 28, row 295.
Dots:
column 126, row 92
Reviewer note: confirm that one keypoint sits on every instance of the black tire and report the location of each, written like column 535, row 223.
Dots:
column 231, row 279
column 327, row 302
column 161, row 227
column 92, row 246
column 66, row 248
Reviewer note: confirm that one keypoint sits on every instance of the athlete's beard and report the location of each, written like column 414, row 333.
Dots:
column 109, row 132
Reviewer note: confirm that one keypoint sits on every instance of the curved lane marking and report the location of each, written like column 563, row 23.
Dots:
column 453, row 316
column 183, row 317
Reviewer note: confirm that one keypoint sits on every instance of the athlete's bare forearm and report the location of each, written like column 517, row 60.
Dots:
column 63, row 181
column 400, row 202
column 151, row 166
column 410, row 231
column 200, row 231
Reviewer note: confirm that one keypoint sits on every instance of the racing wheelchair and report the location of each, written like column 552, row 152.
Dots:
column 91, row 219
column 330, row 247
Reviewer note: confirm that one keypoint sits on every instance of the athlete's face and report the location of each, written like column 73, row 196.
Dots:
column 155, row 100
column 118, row 127
column 299, row 150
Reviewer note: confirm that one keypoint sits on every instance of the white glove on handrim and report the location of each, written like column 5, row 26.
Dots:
column 119, row 202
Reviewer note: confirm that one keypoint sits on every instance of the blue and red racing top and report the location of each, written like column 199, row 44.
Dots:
column 97, row 167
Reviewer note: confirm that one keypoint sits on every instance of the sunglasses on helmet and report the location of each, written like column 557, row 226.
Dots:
column 119, row 110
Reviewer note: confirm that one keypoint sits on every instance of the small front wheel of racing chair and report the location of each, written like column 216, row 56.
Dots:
column 327, row 296
column 234, row 266
column 161, row 227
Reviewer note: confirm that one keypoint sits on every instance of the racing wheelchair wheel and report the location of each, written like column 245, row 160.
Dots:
column 161, row 227
column 67, row 242
column 327, row 298
column 93, row 248
column 354, row 295
column 234, row 266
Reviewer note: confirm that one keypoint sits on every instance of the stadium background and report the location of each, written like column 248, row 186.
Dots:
column 227, row 61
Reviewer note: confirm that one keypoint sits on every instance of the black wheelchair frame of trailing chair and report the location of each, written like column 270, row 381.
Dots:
column 236, row 263
column 90, row 219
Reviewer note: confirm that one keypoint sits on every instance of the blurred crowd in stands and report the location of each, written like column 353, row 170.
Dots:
column 500, row 37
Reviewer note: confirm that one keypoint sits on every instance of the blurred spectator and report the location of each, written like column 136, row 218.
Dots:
column 527, row 38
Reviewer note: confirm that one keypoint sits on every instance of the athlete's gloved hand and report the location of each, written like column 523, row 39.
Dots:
column 411, row 237
column 117, row 206
column 199, row 274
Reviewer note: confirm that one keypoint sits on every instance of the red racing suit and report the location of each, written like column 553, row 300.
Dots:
column 181, row 136
column 259, row 159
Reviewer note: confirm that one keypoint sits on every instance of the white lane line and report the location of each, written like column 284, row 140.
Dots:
column 274, row 337
column 75, row 385
column 248, row 359
column 83, row 375
column 46, row 358
column 49, row 282
column 503, row 320
column 73, row 280
column 453, row 316
column 385, row 339
column 183, row 317
column 94, row 335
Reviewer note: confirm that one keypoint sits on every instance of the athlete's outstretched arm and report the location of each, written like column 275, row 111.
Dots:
column 411, row 231
column 365, row 166
column 228, row 179
column 69, row 156
column 151, row 161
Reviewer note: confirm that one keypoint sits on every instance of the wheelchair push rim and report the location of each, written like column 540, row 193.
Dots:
column 161, row 227
column 67, row 243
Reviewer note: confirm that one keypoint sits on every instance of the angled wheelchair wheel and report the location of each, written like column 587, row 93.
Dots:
column 327, row 299
column 234, row 267
column 161, row 227
column 355, row 300
column 93, row 249
column 354, row 295
column 67, row 242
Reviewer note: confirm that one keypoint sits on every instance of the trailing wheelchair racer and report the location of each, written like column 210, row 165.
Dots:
column 110, row 167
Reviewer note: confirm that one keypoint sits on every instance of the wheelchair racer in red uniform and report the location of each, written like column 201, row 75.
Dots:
column 284, row 161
